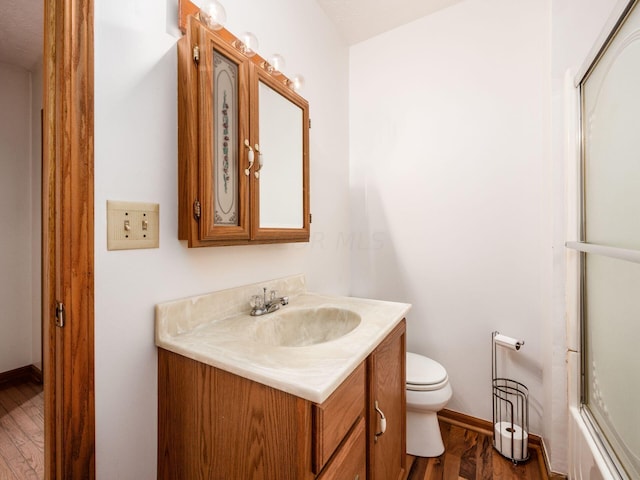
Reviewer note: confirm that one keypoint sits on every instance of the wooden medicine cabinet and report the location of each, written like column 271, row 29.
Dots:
column 243, row 142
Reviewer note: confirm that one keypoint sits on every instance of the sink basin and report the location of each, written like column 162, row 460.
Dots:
column 300, row 328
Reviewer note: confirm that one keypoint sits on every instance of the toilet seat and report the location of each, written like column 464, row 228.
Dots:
column 424, row 374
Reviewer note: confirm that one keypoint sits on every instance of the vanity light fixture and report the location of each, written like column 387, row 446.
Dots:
column 213, row 14
column 247, row 43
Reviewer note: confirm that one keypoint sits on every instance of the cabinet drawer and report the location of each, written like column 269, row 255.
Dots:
column 350, row 462
column 333, row 419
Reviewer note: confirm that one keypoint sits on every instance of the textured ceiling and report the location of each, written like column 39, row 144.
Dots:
column 358, row 20
column 21, row 32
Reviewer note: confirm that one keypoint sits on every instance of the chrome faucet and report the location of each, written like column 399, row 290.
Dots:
column 260, row 305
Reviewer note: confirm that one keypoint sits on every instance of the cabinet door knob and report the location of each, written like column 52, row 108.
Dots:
column 250, row 156
column 383, row 422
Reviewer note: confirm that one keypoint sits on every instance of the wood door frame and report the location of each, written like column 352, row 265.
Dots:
column 68, row 238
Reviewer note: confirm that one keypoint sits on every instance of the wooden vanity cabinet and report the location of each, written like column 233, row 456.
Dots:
column 213, row 424
column 243, row 146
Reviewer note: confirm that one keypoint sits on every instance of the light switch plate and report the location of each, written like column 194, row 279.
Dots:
column 132, row 225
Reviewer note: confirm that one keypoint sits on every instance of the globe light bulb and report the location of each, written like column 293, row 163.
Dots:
column 297, row 82
column 277, row 63
column 213, row 14
column 247, row 43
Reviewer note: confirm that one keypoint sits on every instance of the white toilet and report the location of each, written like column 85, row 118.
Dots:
column 428, row 391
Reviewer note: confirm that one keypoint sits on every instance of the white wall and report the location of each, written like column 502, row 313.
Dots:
column 136, row 159
column 15, row 218
column 459, row 145
column 450, row 128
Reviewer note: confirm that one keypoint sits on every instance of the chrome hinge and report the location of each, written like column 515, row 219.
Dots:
column 196, row 54
column 60, row 314
column 197, row 209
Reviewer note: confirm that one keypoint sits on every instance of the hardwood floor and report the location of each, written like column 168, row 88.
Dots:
column 21, row 431
column 469, row 455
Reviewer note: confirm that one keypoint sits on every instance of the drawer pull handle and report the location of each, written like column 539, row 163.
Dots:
column 383, row 422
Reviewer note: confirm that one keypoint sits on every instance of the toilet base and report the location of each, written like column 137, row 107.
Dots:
column 423, row 434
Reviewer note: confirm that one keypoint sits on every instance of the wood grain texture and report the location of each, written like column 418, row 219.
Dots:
column 469, row 455
column 386, row 372
column 187, row 138
column 216, row 425
column 334, row 417
column 49, row 248
column 196, row 173
column 486, row 428
column 21, row 430
column 68, row 238
column 351, row 460
column 213, row 424
column 210, row 43
column 185, row 9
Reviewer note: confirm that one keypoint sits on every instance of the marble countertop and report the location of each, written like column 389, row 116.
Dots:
column 216, row 329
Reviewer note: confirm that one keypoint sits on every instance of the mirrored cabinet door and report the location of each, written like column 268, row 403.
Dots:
column 223, row 153
column 280, row 193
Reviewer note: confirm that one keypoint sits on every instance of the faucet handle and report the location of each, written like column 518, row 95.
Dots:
column 284, row 300
column 256, row 301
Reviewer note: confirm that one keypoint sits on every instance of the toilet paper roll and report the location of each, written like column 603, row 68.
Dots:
column 508, row 342
column 504, row 433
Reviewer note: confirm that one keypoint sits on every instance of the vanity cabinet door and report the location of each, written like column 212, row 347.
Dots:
column 280, row 184
column 224, row 144
column 386, row 371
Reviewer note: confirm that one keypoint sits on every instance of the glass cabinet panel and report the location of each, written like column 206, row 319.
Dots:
column 225, row 139
column 224, row 76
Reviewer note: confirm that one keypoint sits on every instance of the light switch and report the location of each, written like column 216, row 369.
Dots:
column 132, row 225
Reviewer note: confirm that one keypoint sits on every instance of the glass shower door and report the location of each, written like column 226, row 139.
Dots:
column 611, row 238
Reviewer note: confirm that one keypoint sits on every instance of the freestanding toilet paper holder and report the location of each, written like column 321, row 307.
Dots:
column 510, row 407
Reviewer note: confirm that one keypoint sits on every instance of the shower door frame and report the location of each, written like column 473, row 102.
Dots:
column 604, row 455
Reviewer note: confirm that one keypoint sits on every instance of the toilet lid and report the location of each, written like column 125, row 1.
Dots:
column 424, row 371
